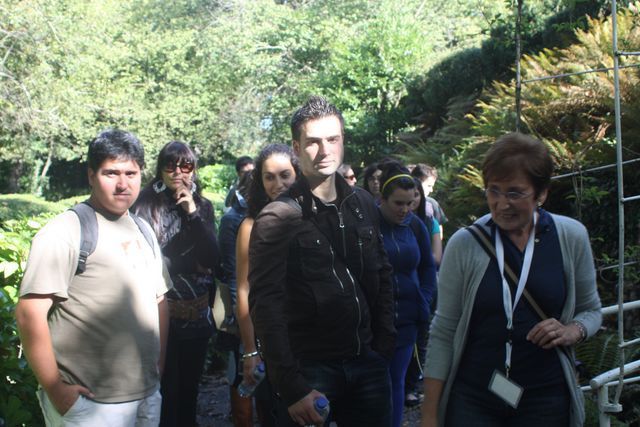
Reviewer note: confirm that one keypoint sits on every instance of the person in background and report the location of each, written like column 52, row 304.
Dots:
column 241, row 408
column 408, row 247
column 493, row 357
column 321, row 297
column 276, row 170
column 347, row 173
column 184, row 223
column 371, row 178
column 433, row 227
column 428, row 175
column 95, row 338
column 244, row 164
column 414, row 377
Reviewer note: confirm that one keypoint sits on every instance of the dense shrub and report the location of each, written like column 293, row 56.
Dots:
column 18, row 403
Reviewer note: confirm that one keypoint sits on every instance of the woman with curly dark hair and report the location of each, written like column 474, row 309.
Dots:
column 183, row 222
column 276, row 169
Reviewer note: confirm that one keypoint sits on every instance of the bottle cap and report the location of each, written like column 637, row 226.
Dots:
column 321, row 402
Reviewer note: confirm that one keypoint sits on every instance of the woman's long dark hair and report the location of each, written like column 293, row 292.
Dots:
column 152, row 204
column 421, row 211
column 258, row 198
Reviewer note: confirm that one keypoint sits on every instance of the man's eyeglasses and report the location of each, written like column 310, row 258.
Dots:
column 492, row 193
column 185, row 166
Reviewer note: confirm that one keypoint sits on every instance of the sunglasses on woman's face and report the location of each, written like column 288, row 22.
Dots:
column 185, row 166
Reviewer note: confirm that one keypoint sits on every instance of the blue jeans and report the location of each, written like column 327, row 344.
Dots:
column 359, row 390
column 549, row 408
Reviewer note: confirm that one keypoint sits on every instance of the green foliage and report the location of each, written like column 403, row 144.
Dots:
column 24, row 206
column 18, row 404
column 599, row 354
column 217, row 178
column 215, row 181
column 460, row 73
column 573, row 116
column 222, row 76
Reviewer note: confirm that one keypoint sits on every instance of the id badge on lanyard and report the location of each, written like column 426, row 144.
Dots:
column 500, row 383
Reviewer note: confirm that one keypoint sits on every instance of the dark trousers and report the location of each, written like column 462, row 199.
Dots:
column 359, row 390
column 543, row 408
column 398, row 370
column 179, row 387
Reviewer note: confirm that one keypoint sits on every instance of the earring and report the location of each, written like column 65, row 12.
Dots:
column 193, row 187
column 539, row 204
column 159, row 186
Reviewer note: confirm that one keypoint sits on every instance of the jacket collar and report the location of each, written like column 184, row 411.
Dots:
column 301, row 192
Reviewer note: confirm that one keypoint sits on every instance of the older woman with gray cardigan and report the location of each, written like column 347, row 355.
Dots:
column 501, row 344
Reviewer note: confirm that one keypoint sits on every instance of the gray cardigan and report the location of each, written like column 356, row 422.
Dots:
column 463, row 267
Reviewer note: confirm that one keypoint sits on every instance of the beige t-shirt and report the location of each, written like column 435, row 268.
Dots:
column 105, row 331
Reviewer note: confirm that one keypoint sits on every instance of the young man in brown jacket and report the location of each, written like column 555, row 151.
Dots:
column 321, row 298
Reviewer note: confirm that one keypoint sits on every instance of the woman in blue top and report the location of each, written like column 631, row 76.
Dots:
column 407, row 243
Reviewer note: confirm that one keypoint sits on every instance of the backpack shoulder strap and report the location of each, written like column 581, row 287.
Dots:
column 88, row 233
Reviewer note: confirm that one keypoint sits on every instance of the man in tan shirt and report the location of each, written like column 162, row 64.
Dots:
column 95, row 340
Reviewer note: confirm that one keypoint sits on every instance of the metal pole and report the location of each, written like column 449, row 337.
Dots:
column 616, row 82
column 518, row 57
column 603, row 399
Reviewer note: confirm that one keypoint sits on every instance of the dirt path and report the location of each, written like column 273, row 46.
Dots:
column 213, row 404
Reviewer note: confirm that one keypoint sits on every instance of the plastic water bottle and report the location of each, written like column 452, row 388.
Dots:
column 322, row 407
column 245, row 389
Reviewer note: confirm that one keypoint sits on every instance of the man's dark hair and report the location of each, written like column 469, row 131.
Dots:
column 316, row 107
column 424, row 171
column 114, row 144
column 242, row 162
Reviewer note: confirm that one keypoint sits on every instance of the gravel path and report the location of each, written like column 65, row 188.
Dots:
column 213, row 404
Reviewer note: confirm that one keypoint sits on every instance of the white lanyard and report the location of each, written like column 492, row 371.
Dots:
column 509, row 307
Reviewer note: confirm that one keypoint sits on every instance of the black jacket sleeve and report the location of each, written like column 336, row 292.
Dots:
column 268, row 249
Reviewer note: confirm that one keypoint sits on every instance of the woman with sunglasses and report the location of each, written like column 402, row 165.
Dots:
column 183, row 222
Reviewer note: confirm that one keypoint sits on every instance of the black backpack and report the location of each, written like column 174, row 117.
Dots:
column 89, row 232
